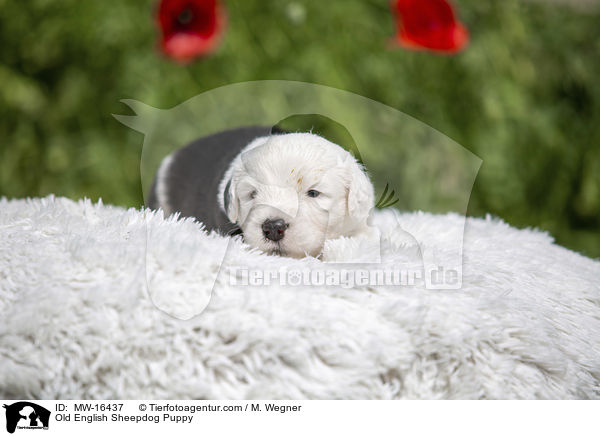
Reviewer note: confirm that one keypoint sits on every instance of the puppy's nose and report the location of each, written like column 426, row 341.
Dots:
column 274, row 229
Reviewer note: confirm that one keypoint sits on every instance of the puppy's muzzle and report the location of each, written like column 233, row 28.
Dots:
column 274, row 229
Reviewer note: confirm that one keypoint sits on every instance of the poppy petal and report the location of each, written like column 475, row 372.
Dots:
column 190, row 28
column 429, row 25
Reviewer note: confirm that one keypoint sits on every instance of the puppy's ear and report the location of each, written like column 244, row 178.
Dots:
column 231, row 202
column 361, row 197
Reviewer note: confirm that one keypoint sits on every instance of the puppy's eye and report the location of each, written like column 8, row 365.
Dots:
column 252, row 195
column 312, row 193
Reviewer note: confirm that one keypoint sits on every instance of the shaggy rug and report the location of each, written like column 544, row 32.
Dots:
column 99, row 302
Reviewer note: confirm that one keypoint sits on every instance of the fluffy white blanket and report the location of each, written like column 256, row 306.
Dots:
column 95, row 301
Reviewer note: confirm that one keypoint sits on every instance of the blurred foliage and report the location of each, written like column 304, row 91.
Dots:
column 523, row 96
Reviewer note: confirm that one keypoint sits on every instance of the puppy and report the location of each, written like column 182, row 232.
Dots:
column 286, row 193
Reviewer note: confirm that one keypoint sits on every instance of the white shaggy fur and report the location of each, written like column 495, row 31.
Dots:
column 270, row 179
column 161, row 187
column 77, row 321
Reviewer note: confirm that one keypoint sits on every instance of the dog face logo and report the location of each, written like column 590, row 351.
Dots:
column 421, row 169
column 26, row 415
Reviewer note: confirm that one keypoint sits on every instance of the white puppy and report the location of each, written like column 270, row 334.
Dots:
column 287, row 193
column 290, row 193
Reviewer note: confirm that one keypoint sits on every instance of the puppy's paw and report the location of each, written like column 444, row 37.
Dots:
column 362, row 248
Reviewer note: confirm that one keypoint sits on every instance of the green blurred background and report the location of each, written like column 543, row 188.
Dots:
column 523, row 96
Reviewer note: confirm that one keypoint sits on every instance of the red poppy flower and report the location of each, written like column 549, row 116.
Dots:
column 429, row 25
column 190, row 28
